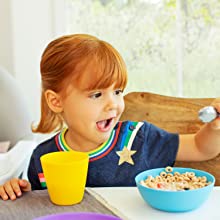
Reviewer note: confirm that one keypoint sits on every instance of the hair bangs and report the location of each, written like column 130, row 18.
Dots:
column 106, row 67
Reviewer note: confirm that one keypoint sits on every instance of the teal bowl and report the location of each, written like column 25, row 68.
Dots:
column 174, row 201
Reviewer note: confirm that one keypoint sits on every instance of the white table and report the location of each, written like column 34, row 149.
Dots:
column 127, row 203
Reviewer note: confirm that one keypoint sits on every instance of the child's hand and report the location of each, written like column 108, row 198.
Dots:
column 216, row 123
column 13, row 188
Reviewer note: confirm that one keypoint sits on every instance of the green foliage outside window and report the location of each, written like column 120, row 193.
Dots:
column 150, row 38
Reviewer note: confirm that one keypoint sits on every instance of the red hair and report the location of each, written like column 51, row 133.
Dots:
column 61, row 63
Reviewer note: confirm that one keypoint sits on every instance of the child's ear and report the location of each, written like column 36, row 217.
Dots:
column 54, row 101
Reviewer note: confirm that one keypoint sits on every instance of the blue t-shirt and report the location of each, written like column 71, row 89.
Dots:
column 152, row 147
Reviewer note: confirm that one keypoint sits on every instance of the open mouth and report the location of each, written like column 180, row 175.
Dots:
column 104, row 125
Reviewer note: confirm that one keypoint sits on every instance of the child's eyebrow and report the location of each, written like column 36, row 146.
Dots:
column 89, row 91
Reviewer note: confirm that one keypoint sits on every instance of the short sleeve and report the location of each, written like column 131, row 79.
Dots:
column 33, row 175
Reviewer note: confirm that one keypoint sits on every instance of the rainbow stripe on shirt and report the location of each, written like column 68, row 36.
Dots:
column 94, row 155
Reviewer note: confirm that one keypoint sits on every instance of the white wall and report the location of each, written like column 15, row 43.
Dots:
column 27, row 26
column 6, row 35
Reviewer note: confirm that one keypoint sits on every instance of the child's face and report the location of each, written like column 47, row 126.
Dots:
column 91, row 115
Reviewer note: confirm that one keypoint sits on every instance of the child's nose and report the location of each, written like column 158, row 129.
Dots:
column 111, row 103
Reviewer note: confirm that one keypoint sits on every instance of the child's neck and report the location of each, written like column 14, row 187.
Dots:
column 83, row 147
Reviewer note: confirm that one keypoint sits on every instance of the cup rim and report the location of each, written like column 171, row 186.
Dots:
column 84, row 156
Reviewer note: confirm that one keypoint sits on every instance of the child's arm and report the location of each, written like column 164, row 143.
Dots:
column 13, row 188
column 203, row 145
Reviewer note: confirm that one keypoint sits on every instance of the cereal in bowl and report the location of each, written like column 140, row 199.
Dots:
column 176, row 181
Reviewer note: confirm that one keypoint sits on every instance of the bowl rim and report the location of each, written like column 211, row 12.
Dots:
column 138, row 184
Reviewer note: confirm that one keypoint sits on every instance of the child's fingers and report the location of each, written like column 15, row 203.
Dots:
column 3, row 194
column 25, row 185
column 216, row 124
column 16, row 186
column 9, row 190
column 13, row 188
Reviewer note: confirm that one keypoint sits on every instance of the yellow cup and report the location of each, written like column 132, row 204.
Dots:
column 65, row 175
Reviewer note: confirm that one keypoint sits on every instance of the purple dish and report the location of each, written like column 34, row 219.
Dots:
column 78, row 216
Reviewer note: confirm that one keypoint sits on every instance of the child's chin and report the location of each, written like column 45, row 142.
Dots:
column 105, row 136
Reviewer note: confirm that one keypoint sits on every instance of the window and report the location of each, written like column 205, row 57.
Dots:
column 171, row 47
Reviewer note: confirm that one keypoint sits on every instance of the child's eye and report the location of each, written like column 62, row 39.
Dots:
column 95, row 95
column 118, row 91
